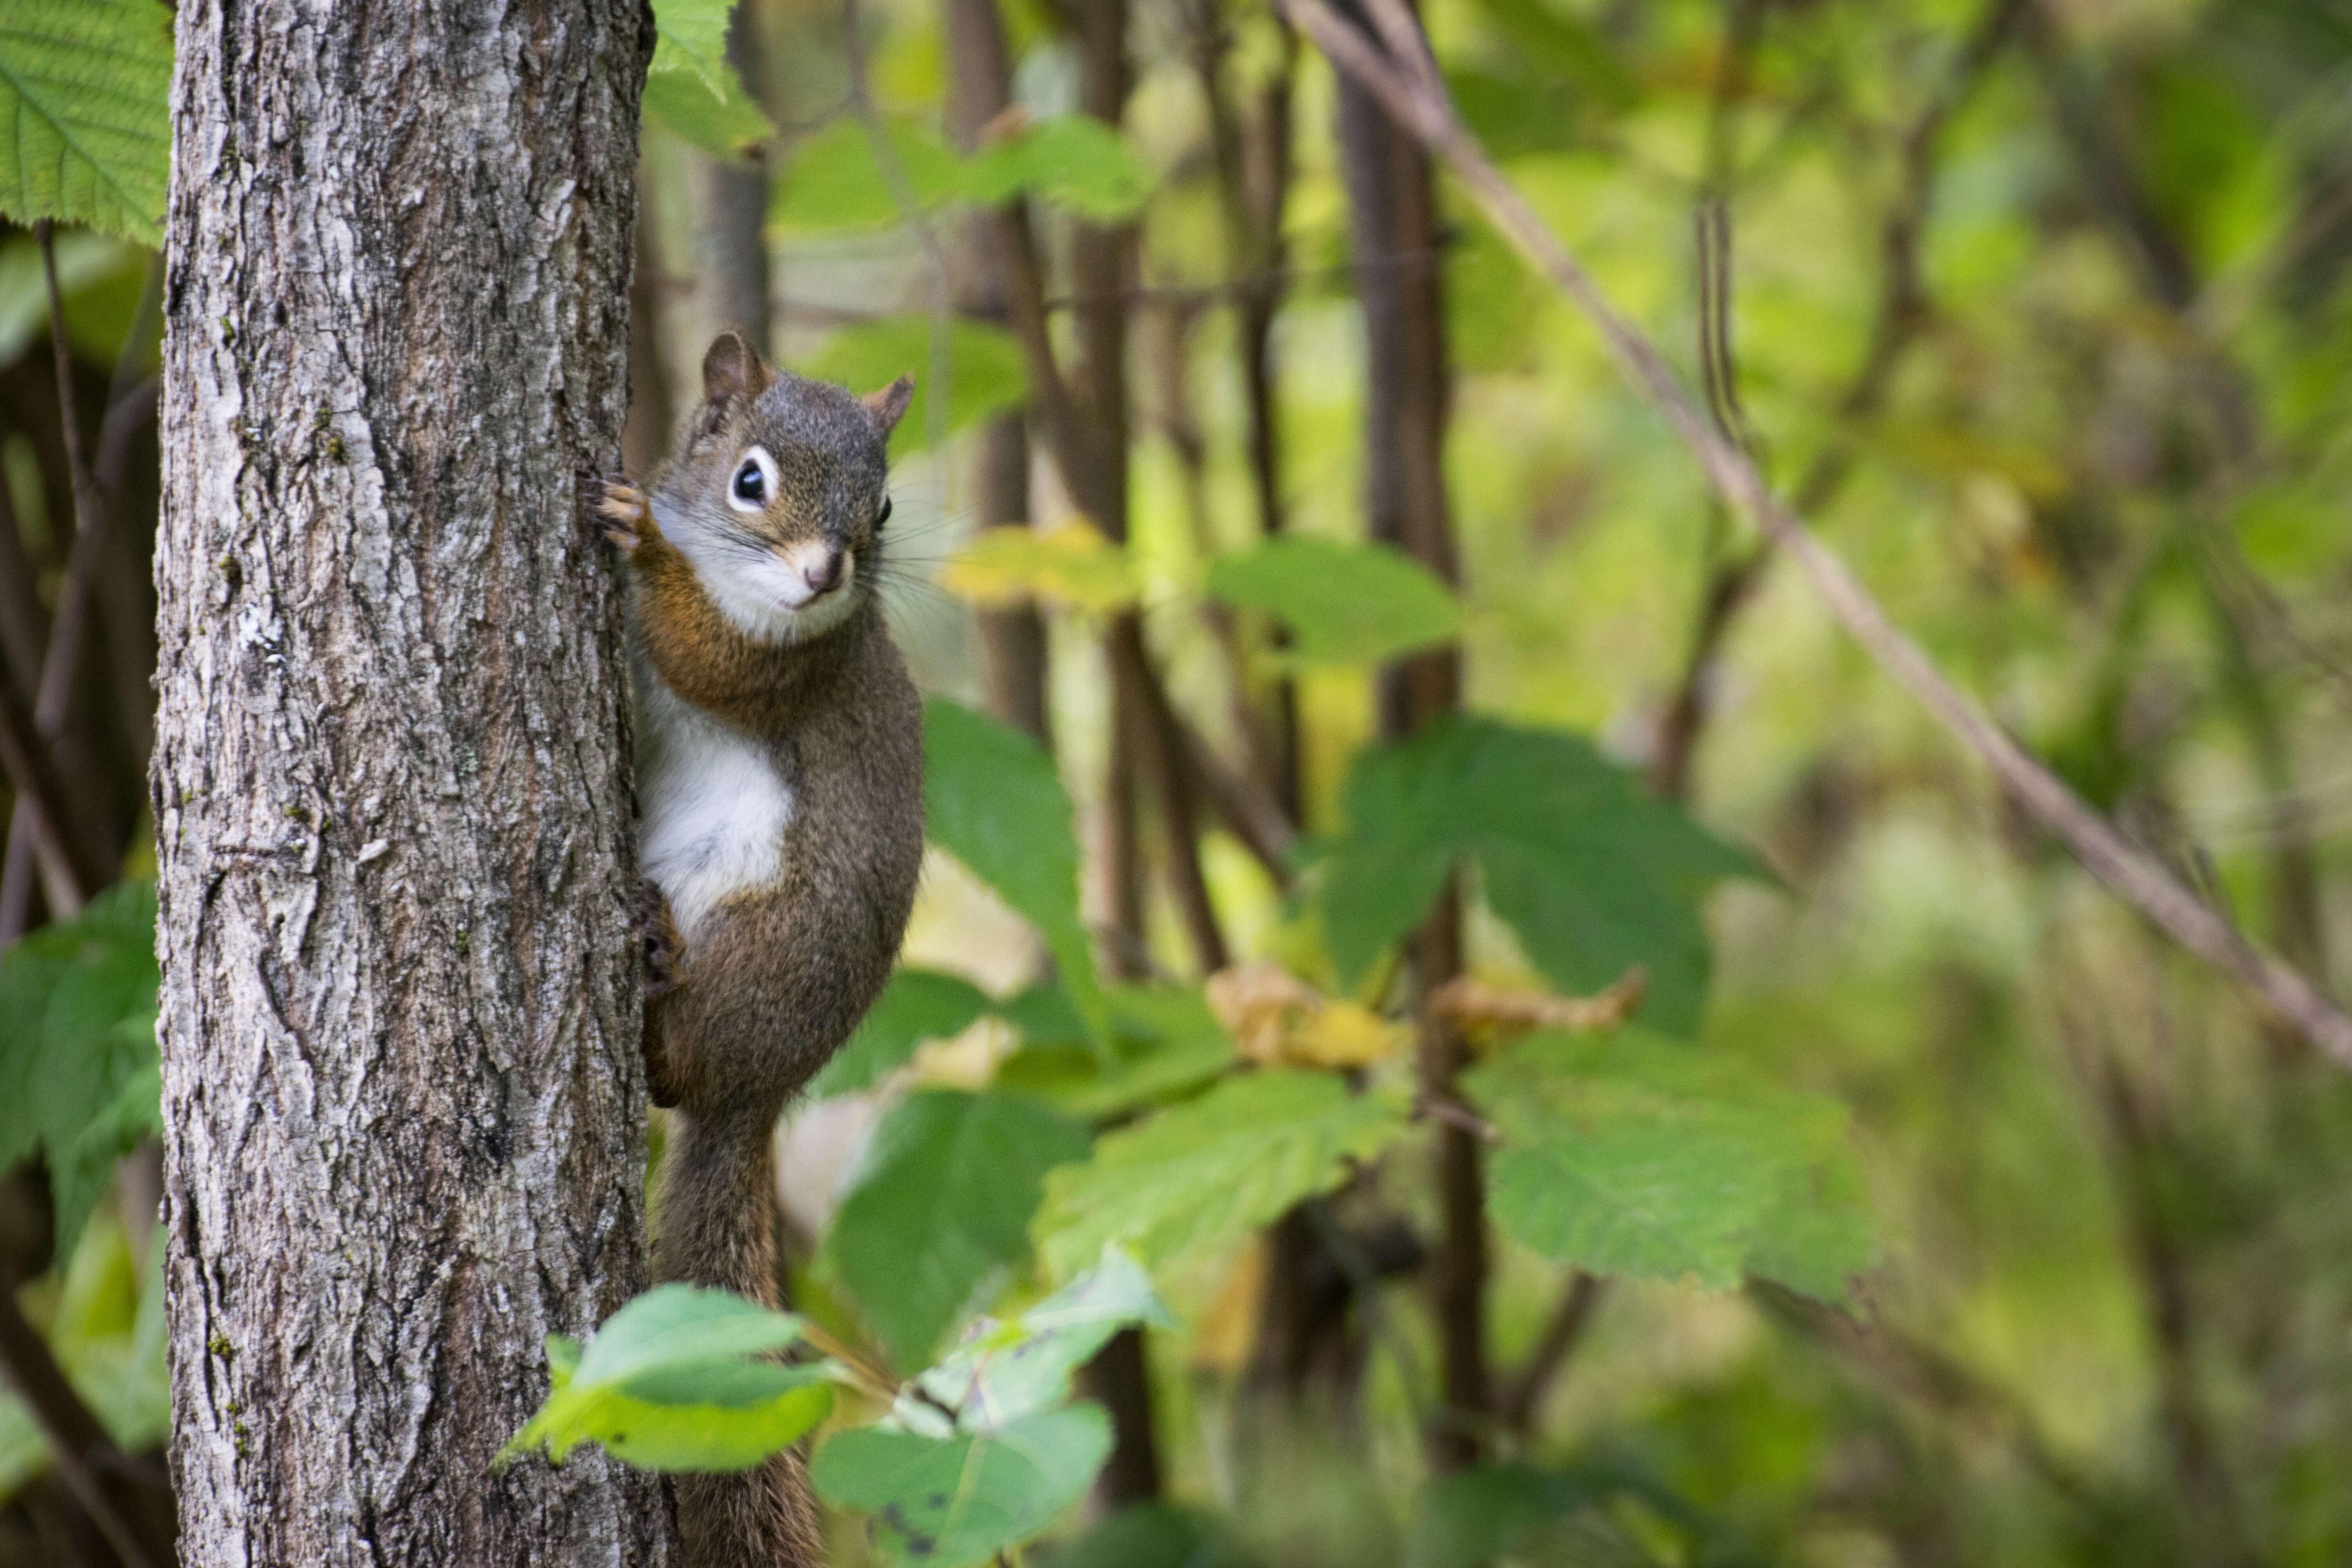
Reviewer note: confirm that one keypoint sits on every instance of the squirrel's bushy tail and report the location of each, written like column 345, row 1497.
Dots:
column 718, row 1228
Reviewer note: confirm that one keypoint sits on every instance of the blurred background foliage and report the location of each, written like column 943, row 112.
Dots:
column 2037, row 308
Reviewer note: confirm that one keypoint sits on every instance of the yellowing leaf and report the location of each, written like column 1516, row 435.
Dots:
column 1348, row 1035
column 1277, row 1018
column 1072, row 567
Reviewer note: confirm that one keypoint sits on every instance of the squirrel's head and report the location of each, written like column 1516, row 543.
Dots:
column 780, row 492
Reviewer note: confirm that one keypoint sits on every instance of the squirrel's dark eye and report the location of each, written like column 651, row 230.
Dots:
column 884, row 515
column 750, row 484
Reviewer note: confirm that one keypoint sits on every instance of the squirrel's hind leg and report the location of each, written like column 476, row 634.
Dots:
column 656, row 933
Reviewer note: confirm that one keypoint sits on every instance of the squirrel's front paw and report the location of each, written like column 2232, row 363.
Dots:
column 650, row 917
column 621, row 511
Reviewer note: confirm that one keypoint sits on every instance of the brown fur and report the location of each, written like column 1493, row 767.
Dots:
column 741, row 1015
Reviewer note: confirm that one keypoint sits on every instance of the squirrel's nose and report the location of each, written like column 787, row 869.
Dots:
column 826, row 578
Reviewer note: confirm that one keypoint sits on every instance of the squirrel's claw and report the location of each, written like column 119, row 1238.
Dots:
column 621, row 511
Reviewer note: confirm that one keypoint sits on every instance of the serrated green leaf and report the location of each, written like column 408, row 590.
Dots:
column 96, row 1038
column 835, row 181
column 1163, row 1041
column 1473, row 1517
column 918, row 1004
column 1592, row 874
column 1193, row 1179
column 952, row 1502
column 85, row 114
column 992, row 799
column 1634, row 1155
column 1154, row 1535
column 1818, row 1235
column 692, row 39
column 1344, row 604
column 1517, row 1513
column 940, row 1205
column 985, row 371
column 29, row 972
column 723, row 127
column 676, row 1380
column 1072, row 161
column 692, row 89
column 1005, row 1372
column 681, row 1325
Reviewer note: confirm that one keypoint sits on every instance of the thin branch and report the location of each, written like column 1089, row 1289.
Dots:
column 30, row 824
column 1928, row 1376
column 1562, row 1333
column 31, row 767
column 78, row 1444
column 1429, row 114
column 1902, row 312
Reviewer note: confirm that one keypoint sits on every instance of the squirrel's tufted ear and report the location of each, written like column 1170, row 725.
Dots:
column 730, row 370
column 889, row 404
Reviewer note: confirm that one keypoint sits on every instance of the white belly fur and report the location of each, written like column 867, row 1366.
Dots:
column 714, row 809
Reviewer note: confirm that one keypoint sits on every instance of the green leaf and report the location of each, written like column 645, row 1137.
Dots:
column 1635, row 1155
column 1517, row 1513
column 1593, row 875
column 691, row 90
column 1196, row 1178
column 1819, row 1234
column 77, row 1033
column 985, row 373
column 723, row 127
column 692, row 39
column 1473, row 1517
column 1344, row 604
column 992, row 799
column 836, row 183
column 674, row 1381
column 1005, row 1372
column 918, row 1004
column 941, row 1205
column 1071, row 567
column 1154, row 1535
column 85, row 114
column 952, row 1502
column 1163, row 1041
column 1073, row 160
column 30, row 972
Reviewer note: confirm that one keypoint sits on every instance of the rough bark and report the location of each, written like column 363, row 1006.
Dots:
column 400, row 1026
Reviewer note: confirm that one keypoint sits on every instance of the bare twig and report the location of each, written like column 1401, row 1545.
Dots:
column 30, row 825
column 2139, row 881
column 78, row 1444
column 1562, row 1333
column 1926, row 1374
column 1902, row 312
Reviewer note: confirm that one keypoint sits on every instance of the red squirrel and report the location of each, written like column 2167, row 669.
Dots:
column 780, row 783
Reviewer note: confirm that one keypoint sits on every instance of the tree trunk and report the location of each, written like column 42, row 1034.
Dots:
column 1394, row 237
column 731, row 217
column 1012, row 645
column 401, row 1071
